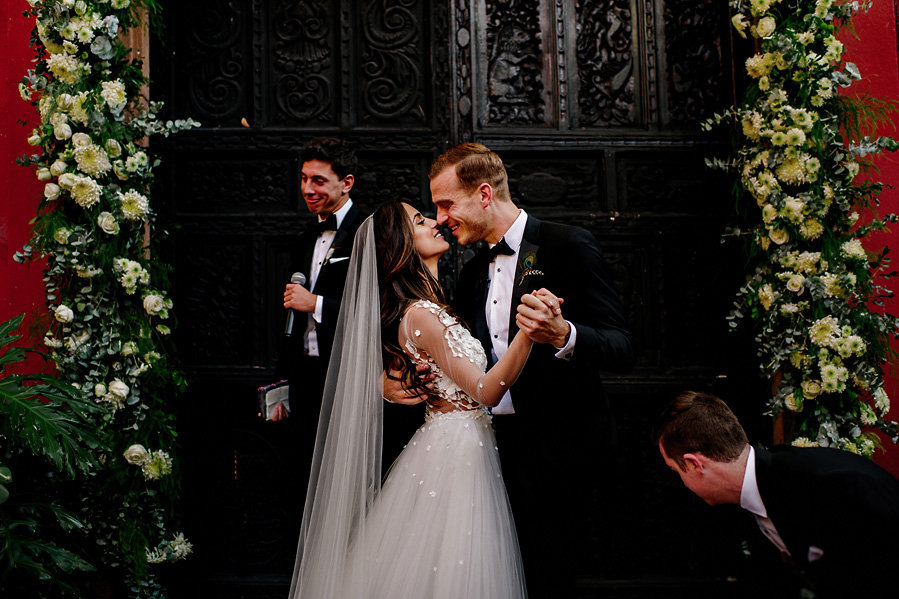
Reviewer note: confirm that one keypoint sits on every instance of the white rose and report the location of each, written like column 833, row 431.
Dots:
column 113, row 148
column 35, row 140
column 796, row 284
column 765, row 26
column 63, row 313
column 120, row 171
column 65, row 101
column 62, row 235
column 67, row 180
column 81, row 140
column 108, row 223
column 58, row 168
column 100, row 389
column 153, row 303
column 118, row 388
column 51, row 191
column 129, row 348
column 63, row 131
column 811, row 389
column 68, row 3
column 43, row 174
column 136, row 454
column 779, row 236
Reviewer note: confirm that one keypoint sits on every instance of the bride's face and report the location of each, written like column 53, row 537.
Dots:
column 427, row 239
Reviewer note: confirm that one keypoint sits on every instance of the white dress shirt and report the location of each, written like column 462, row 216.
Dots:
column 319, row 257
column 751, row 501
column 499, row 304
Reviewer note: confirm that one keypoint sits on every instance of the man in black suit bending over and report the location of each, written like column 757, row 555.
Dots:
column 833, row 515
column 551, row 281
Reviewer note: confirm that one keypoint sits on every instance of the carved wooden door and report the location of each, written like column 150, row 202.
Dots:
column 593, row 105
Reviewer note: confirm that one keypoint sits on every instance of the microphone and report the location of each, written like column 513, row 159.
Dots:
column 296, row 278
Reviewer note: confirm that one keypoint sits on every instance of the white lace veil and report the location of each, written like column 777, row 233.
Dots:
column 346, row 467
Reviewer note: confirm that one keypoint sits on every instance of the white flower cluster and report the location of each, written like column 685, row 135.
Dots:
column 131, row 274
column 172, row 550
column 810, row 292
column 153, row 464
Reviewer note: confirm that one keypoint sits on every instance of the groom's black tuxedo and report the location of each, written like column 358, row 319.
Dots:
column 840, row 509
column 562, row 417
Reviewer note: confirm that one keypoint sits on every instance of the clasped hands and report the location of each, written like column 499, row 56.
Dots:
column 539, row 317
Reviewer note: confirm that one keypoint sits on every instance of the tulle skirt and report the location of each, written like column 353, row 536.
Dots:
column 441, row 527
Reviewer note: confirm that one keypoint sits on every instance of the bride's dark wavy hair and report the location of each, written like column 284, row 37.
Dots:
column 403, row 279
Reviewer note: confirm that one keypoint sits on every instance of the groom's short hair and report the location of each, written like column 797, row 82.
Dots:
column 699, row 423
column 474, row 164
column 335, row 152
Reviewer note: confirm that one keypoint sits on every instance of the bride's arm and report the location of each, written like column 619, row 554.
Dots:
column 427, row 331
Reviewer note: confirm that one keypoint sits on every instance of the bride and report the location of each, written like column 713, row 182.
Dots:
column 440, row 527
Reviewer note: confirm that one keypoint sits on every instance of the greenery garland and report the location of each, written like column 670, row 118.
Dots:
column 108, row 290
column 815, row 298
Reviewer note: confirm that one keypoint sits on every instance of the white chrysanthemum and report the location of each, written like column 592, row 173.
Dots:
column 77, row 112
column 92, row 159
column 85, row 191
column 882, row 401
column 867, row 415
column 807, row 262
column 792, row 209
column 155, row 555
column 853, row 250
column 787, row 309
column 65, row 68
column 134, row 205
column 114, row 94
column 156, row 465
column 790, row 171
column 823, row 331
column 805, row 442
column 795, row 137
column 811, row 228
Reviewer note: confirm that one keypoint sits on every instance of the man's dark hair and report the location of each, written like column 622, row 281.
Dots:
column 335, row 152
column 699, row 423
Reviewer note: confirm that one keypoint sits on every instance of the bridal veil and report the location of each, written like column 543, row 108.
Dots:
column 346, row 469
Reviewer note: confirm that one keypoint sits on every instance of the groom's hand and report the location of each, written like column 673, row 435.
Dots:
column 392, row 386
column 540, row 317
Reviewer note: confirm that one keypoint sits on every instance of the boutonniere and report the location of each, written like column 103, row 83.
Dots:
column 528, row 261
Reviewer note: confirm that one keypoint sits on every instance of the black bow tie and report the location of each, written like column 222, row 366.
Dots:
column 500, row 248
column 329, row 224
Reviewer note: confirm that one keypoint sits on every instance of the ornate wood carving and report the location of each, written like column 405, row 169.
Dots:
column 515, row 92
column 216, row 53
column 606, row 62
column 392, row 64
column 694, row 58
column 303, row 69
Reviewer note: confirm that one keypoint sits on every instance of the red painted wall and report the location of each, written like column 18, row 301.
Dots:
column 874, row 51
column 21, row 288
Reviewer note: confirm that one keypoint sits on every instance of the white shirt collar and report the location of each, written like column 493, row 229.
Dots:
column 515, row 233
column 750, row 498
column 341, row 213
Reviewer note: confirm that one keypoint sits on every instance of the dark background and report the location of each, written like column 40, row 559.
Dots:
column 594, row 106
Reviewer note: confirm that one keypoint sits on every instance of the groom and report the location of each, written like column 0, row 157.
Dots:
column 551, row 281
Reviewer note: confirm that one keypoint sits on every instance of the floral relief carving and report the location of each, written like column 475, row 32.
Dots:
column 302, row 60
column 514, row 78
column 216, row 69
column 605, row 59
column 693, row 53
column 392, row 60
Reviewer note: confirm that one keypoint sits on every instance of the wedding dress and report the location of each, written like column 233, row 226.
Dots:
column 441, row 526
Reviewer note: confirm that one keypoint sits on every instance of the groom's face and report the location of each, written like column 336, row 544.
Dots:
column 463, row 212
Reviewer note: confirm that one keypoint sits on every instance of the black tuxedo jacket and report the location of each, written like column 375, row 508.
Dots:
column 838, row 508
column 292, row 363
column 568, row 262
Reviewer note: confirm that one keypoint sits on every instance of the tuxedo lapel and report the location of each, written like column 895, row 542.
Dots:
column 521, row 283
